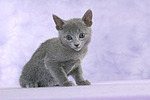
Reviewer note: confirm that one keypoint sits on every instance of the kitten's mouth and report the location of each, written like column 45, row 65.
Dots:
column 77, row 48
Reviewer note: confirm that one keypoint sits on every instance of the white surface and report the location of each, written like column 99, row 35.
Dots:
column 113, row 90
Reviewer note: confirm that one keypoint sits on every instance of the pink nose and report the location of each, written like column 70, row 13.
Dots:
column 76, row 45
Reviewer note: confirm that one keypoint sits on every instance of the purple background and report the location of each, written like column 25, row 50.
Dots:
column 120, row 47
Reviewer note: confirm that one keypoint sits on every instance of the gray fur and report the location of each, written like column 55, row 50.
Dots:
column 58, row 58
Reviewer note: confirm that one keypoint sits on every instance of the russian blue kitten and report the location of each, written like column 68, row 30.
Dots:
column 60, row 57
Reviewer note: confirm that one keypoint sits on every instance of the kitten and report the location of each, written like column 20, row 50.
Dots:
column 60, row 57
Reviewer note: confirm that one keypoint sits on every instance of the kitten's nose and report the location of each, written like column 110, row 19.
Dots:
column 76, row 45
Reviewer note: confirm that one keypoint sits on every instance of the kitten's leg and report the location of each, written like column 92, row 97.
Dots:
column 59, row 74
column 27, row 84
column 31, row 85
column 78, row 76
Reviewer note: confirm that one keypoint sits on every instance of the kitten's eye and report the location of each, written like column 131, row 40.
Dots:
column 68, row 37
column 82, row 35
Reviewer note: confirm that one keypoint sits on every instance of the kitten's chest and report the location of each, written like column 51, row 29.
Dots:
column 68, row 66
column 57, row 53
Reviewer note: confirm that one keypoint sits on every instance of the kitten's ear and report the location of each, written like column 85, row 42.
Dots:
column 87, row 18
column 59, row 22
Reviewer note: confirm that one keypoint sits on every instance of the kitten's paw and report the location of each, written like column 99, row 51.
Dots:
column 69, row 83
column 31, row 85
column 85, row 82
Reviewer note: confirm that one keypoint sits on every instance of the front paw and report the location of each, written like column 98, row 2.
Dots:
column 85, row 82
column 69, row 83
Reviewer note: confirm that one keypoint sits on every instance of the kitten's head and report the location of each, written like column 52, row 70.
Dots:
column 75, row 33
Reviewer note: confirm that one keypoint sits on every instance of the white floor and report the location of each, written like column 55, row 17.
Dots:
column 121, row 90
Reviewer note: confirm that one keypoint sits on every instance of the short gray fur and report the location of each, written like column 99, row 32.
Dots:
column 60, row 57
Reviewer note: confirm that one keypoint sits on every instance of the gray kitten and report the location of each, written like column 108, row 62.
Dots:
column 60, row 57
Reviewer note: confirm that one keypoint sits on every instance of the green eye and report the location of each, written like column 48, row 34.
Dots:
column 68, row 37
column 82, row 35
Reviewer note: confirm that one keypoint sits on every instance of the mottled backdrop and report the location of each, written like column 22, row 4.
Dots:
column 120, row 47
